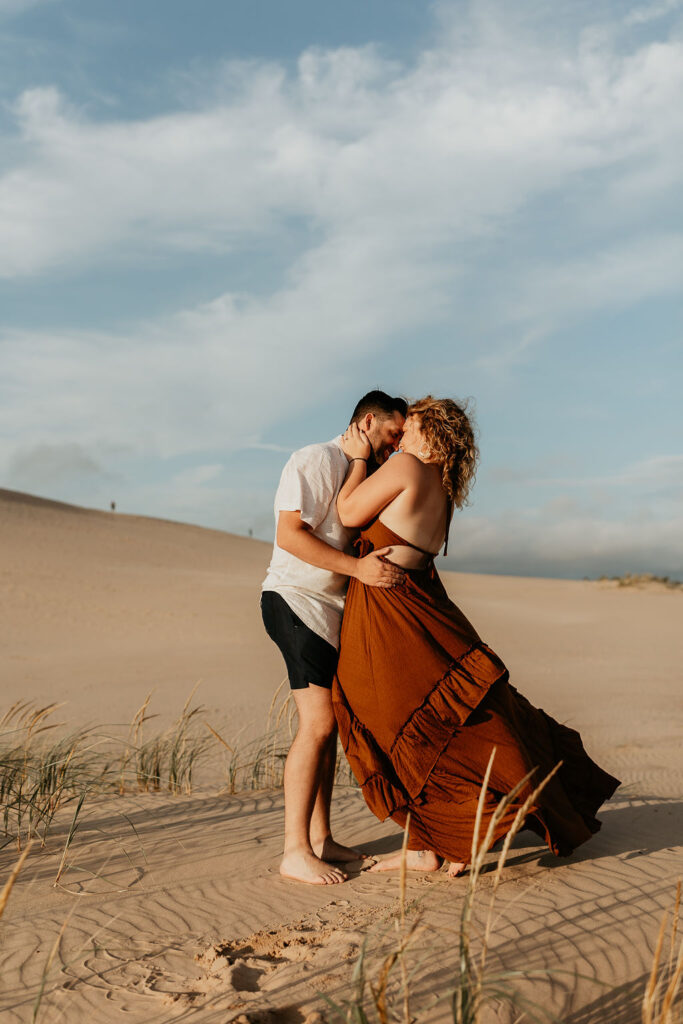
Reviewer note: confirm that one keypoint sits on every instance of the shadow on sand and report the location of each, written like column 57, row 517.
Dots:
column 641, row 827
column 621, row 1005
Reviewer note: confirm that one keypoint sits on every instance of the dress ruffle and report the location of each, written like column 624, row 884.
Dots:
column 423, row 738
column 392, row 780
column 372, row 769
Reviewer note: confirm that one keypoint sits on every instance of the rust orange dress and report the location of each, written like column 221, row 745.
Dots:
column 421, row 701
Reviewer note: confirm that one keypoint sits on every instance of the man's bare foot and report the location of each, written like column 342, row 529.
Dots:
column 416, row 860
column 330, row 850
column 455, row 869
column 302, row 866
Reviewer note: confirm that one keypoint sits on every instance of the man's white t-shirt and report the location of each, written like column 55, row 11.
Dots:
column 310, row 483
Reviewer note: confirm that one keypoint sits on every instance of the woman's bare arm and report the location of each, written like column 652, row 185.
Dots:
column 360, row 499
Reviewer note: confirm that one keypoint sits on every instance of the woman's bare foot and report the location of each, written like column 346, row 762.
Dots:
column 416, row 860
column 302, row 866
column 330, row 850
column 455, row 869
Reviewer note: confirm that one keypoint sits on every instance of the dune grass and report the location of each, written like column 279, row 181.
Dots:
column 260, row 763
column 43, row 768
column 168, row 759
column 40, row 770
column 642, row 579
column 13, row 875
column 660, row 997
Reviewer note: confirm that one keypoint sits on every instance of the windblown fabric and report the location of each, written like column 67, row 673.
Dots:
column 421, row 701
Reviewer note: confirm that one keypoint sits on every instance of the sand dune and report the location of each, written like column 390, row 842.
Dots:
column 100, row 608
column 173, row 905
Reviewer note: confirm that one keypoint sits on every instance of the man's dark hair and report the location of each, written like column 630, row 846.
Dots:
column 380, row 404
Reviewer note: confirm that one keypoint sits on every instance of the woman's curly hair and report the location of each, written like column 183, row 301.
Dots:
column 450, row 434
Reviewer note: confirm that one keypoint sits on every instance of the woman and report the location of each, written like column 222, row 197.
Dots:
column 420, row 699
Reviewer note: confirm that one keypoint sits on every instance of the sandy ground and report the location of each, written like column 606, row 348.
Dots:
column 172, row 909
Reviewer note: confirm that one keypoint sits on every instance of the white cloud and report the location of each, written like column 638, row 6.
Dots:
column 195, row 476
column 659, row 472
column 402, row 180
column 651, row 12
column 8, row 8
column 564, row 539
column 630, row 520
column 639, row 268
column 218, row 375
column 427, row 155
column 396, row 170
column 50, row 465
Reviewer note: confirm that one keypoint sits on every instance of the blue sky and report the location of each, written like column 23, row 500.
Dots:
column 222, row 222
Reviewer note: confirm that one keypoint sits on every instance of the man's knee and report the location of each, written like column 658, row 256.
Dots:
column 317, row 722
column 318, row 730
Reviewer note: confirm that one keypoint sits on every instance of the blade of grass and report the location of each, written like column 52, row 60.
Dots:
column 46, row 970
column 69, row 839
column 7, row 887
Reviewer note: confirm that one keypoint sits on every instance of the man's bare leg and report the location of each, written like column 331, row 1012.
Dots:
column 303, row 776
column 321, row 833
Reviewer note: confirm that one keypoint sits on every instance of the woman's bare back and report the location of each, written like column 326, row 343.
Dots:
column 418, row 513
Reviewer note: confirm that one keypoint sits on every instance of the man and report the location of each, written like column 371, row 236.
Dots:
column 302, row 604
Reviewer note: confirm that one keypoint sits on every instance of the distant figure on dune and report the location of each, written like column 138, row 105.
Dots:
column 420, row 699
column 113, row 506
column 302, row 603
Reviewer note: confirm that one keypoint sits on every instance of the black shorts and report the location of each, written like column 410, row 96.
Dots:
column 309, row 658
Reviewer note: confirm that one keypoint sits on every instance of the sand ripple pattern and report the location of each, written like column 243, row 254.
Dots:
column 175, row 905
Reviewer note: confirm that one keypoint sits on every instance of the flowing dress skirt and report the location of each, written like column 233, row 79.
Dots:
column 421, row 701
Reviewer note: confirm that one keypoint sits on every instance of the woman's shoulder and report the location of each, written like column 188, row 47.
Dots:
column 403, row 462
column 407, row 467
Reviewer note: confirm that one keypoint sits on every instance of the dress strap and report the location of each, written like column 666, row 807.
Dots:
column 449, row 516
column 415, row 547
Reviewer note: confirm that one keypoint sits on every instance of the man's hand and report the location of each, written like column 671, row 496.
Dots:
column 374, row 571
column 295, row 536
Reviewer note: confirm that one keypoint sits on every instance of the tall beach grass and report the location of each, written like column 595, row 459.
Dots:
column 260, row 763
column 41, row 769
column 660, row 999
column 44, row 768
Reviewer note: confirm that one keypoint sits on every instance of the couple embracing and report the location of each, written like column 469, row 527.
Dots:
column 375, row 650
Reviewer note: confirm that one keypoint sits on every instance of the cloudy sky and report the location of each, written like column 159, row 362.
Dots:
column 221, row 222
